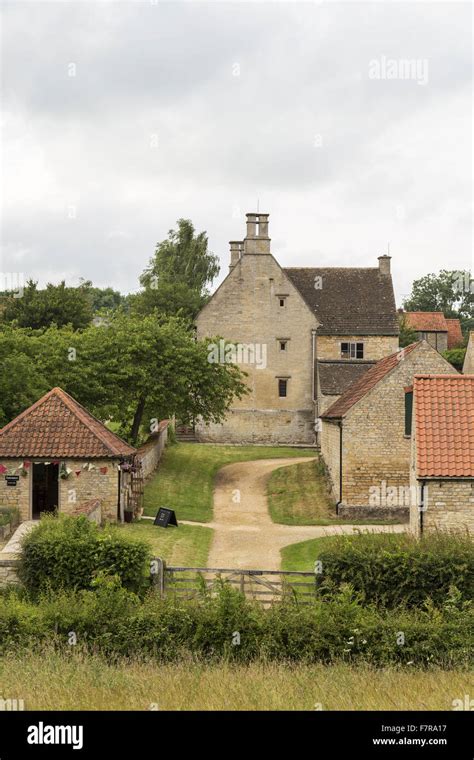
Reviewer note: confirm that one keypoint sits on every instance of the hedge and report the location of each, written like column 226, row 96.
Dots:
column 394, row 569
column 116, row 623
column 68, row 552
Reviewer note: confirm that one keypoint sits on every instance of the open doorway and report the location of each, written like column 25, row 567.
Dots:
column 45, row 488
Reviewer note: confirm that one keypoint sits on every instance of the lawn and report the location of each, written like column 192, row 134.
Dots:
column 54, row 681
column 186, row 545
column 184, row 480
column 302, row 556
column 299, row 495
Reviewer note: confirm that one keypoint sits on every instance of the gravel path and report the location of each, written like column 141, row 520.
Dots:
column 244, row 534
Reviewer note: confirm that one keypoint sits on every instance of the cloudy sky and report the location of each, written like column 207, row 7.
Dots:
column 120, row 117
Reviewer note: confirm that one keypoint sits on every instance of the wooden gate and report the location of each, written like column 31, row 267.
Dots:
column 263, row 585
column 137, row 487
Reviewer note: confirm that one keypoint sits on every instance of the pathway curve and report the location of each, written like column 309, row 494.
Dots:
column 244, row 534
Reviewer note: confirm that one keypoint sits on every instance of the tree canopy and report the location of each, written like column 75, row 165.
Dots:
column 449, row 291
column 40, row 308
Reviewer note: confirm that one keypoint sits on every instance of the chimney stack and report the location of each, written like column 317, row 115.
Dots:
column 236, row 249
column 257, row 240
column 384, row 264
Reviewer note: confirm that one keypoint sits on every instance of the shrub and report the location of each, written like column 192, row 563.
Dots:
column 393, row 570
column 116, row 623
column 68, row 552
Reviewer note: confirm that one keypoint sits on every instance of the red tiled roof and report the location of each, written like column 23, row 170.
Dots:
column 58, row 426
column 444, row 425
column 361, row 387
column 455, row 337
column 426, row 321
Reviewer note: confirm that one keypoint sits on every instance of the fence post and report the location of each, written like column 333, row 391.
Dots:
column 157, row 572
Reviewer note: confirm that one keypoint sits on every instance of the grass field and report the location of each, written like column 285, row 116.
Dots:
column 184, row 480
column 299, row 495
column 186, row 545
column 52, row 681
column 302, row 556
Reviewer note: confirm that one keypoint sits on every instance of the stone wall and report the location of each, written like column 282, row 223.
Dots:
column 150, row 453
column 375, row 346
column 449, row 506
column 376, row 452
column 468, row 367
column 8, row 572
column 439, row 340
column 246, row 309
column 90, row 484
column 330, row 443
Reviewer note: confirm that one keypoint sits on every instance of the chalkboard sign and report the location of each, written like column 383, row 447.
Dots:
column 12, row 480
column 165, row 517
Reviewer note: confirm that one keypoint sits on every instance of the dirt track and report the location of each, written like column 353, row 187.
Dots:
column 244, row 534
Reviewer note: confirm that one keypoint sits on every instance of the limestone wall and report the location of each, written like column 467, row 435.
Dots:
column 375, row 346
column 8, row 572
column 246, row 309
column 375, row 448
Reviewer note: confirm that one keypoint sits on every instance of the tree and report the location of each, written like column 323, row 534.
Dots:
column 102, row 298
column 450, row 291
column 133, row 369
column 56, row 304
column 177, row 277
column 455, row 356
column 407, row 334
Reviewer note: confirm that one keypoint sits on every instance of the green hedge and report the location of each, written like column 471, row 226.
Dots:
column 117, row 623
column 68, row 552
column 395, row 569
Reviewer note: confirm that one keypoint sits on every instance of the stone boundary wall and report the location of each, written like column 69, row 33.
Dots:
column 8, row 572
column 150, row 453
column 401, row 514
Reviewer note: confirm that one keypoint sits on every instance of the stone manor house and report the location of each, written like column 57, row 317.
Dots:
column 308, row 334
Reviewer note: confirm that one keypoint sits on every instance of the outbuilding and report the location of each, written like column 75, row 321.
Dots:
column 56, row 456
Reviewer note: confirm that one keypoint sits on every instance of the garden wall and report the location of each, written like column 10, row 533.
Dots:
column 150, row 453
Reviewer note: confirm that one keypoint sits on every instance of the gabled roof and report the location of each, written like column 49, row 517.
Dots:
column 350, row 301
column 444, row 425
column 426, row 321
column 335, row 376
column 455, row 337
column 57, row 426
column 361, row 387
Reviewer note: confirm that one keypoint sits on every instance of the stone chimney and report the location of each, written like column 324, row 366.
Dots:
column 384, row 264
column 257, row 240
column 236, row 250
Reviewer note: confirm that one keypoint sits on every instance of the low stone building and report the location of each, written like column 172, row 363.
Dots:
column 56, row 456
column 365, row 438
column 468, row 366
column 442, row 458
column 435, row 328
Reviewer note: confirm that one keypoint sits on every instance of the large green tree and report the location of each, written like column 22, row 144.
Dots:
column 134, row 370
column 40, row 308
column 449, row 291
column 177, row 278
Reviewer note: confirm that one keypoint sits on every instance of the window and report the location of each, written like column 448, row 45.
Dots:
column 282, row 302
column 408, row 411
column 282, row 388
column 282, row 344
column 352, row 350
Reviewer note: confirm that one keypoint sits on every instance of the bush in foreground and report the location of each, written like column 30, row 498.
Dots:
column 393, row 570
column 225, row 626
column 68, row 552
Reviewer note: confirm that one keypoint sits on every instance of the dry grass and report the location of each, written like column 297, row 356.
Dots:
column 77, row 682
